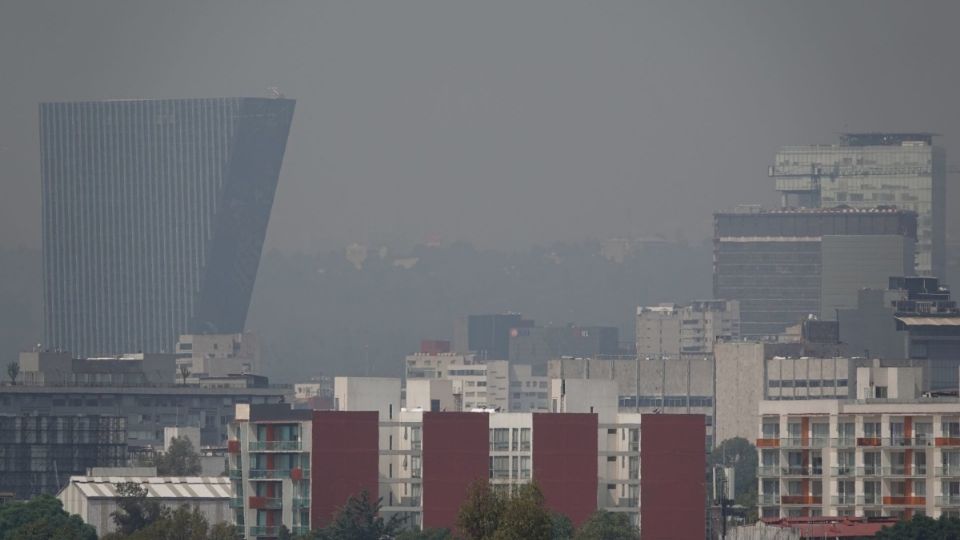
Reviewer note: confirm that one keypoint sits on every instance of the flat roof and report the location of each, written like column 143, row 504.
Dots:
column 163, row 487
column 930, row 321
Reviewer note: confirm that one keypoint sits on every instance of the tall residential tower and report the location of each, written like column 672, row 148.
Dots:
column 154, row 215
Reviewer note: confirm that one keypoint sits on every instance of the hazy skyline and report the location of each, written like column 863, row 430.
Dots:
column 501, row 123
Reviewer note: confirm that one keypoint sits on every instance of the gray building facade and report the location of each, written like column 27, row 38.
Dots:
column 154, row 215
column 772, row 261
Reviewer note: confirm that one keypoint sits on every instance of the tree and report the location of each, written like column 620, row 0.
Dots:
column 944, row 528
column 426, row 534
column 181, row 459
column 525, row 517
column 13, row 371
column 740, row 454
column 42, row 518
column 184, row 373
column 135, row 511
column 183, row 523
column 562, row 527
column 358, row 519
column 480, row 513
column 603, row 525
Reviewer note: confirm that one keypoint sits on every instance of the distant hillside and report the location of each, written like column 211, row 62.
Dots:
column 320, row 313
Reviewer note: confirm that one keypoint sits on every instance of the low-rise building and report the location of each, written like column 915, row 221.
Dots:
column 218, row 355
column 94, row 498
column 673, row 331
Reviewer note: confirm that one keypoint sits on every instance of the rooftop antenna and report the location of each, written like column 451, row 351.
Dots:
column 275, row 92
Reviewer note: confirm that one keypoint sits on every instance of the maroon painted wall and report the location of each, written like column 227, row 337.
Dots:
column 672, row 471
column 565, row 462
column 455, row 454
column 344, row 461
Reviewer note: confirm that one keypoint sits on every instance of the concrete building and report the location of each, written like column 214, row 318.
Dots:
column 537, row 345
column 167, row 203
column 420, row 463
column 147, row 409
column 94, row 498
column 906, row 170
column 60, row 368
column 914, row 321
column 669, row 330
column 487, row 336
column 772, row 261
column 219, row 355
column 39, row 452
column 889, row 452
column 496, row 384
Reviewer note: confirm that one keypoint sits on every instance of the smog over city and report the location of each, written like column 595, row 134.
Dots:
column 710, row 219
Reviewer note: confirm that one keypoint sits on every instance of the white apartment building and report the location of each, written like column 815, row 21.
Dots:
column 886, row 453
column 669, row 330
column 494, row 384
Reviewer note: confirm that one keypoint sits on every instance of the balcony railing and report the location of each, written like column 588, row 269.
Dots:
column 500, row 473
column 948, row 500
column 272, row 474
column 902, row 470
column 843, row 500
column 768, row 443
column 804, row 442
column 801, row 499
column 868, row 500
column 905, row 501
column 870, row 470
column 627, row 502
column 844, row 470
column 844, row 442
column 300, row 530
column 949, row 470
column 500, row 446
column 265, row 503
column 236, row 502
column 869, row 441
column 301, row 502
column 261, row 530
column 409, row 502
column 768, row 470
column 416, row 445
column 799, row 470
column 769, row 499
column 274, row 446
column 907, row 442
column 947, row 441
column 235, row 474
column 416, row 473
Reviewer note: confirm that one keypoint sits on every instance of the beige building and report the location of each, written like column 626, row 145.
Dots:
column 889, row 452
column 669, row 330
column 478, row 384
column 218, row 355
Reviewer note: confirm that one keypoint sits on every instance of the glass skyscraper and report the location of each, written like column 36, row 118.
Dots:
column 154, row 215
column 867, row 170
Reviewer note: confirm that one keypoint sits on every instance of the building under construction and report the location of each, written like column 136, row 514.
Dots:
column 39, row 453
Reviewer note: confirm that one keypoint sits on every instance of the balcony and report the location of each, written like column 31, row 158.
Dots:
column 799, row 470
column 416, row 445
column 947, row 441
column 903, row 470
column 949, row 470
column 301, row 502
column 416, row 473
column 907, row 442
column 499, row 446
column 409, row 502
column 843, row 500
column 948, row 500
column 261, row 530
column 265, row 503
column 269, row 474
column 804, row 442
column 844, row 442
column 801, row 499
column 300, row 530
column 628, row 502
column 843, row 470
column 236, row 502
column 869, row 470
column 235, row 474
column 768, row 443
column 768, row 470
column 768, row 499
column 868, row 500
column 274, row 446
column 869, row 441
column 233, row 447
column 905, row 501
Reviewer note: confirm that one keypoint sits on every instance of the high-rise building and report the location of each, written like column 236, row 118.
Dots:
column 537, row 345
column 487, row 335
column 772, row 262
column 906, row 170
column 154, row 215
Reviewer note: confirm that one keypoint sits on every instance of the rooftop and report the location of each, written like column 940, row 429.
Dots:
column 166, row 487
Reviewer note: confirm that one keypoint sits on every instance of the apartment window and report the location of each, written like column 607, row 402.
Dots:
column 951, row 428
column 500, row 439
column 525, row 439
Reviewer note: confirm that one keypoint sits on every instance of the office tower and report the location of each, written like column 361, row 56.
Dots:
column 865, row 170
column 537, row 345
column 673, row 331
column 772, row 262
column 154, row 214
column 487, row 335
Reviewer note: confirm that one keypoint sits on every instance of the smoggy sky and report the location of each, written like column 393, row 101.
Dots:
column 499, row 122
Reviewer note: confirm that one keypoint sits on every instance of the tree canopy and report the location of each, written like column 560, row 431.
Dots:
column 740, row 454
column 42, row 518
column 603, row 525
column 359, row 519
column 181, row 459
column 927, row 528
